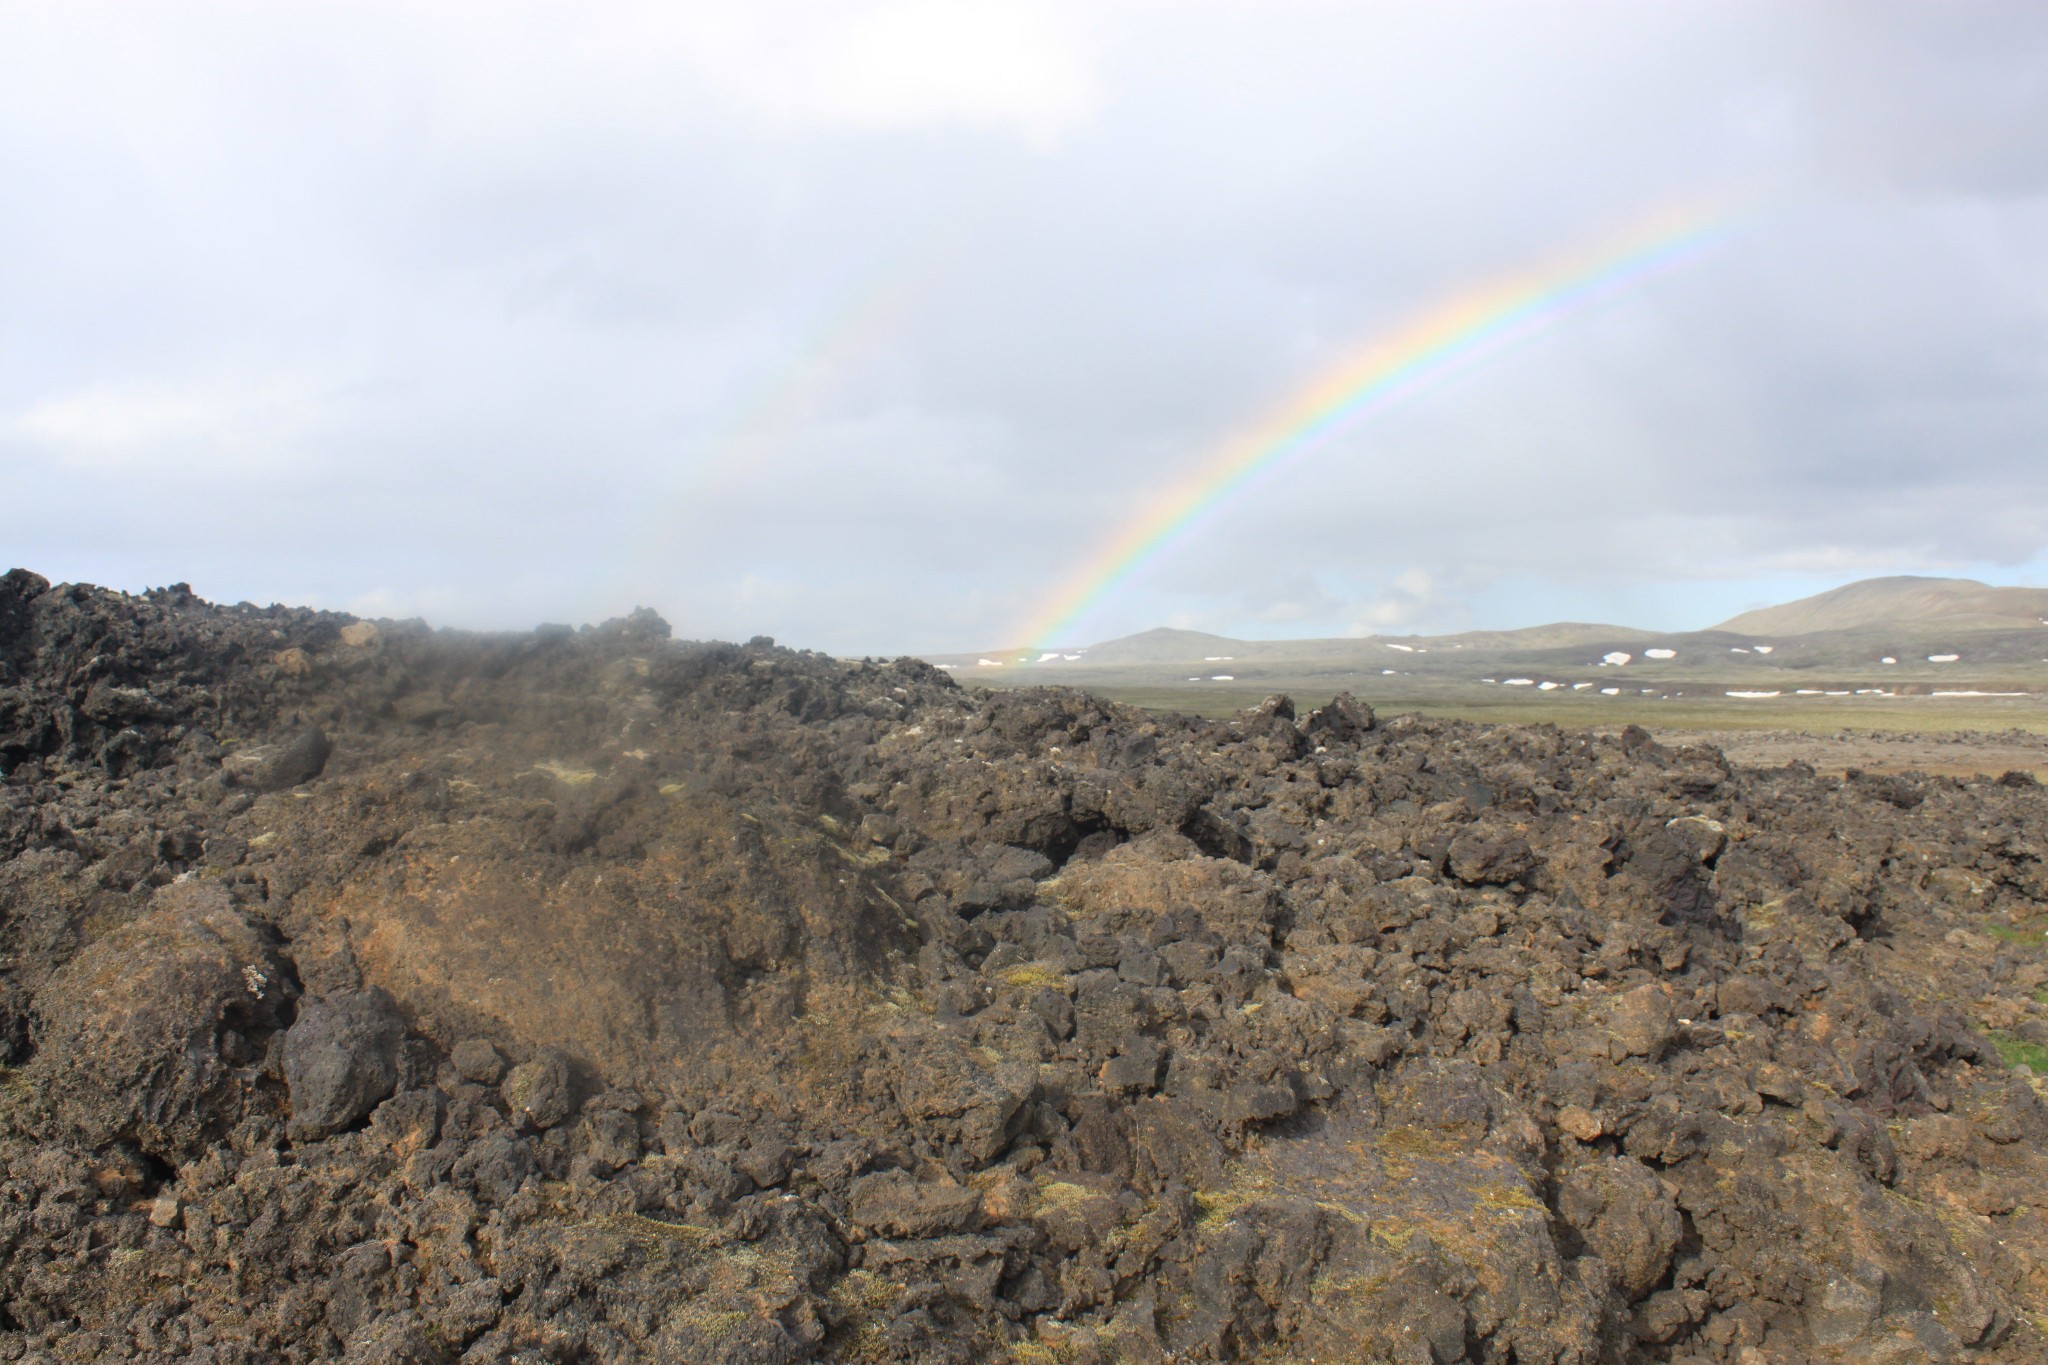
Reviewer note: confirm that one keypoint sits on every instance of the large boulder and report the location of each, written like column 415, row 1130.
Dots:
column 340, row 1060
column 282, row 766
column 1627, row 1218
column 539, row 1093
column 894, row 1204
column 152, row 1035
column 1344, row 720
column 1490, row 853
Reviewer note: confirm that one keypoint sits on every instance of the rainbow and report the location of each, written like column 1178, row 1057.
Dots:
column 1442, row 341
column 762, row 420
column 857, row 321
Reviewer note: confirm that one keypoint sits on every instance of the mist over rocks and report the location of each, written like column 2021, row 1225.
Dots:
column 594, row 996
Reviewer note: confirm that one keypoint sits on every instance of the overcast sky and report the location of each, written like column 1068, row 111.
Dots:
column 864, row 324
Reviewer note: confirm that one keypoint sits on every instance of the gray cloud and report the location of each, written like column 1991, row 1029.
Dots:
column 868, row 325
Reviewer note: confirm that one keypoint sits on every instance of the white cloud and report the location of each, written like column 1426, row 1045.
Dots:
column 1415, row 600
column 1002, row 63
column 399, row 603
column 200, row 428
column 532, row 310
column 491, row 68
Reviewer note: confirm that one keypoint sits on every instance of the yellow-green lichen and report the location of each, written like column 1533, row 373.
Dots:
column 1031, row 975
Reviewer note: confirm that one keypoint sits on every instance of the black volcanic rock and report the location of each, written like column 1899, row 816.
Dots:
column 340, row 1060
column 682, row 1001
column 299, row 759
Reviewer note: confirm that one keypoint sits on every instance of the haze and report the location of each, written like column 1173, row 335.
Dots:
column 862, row 325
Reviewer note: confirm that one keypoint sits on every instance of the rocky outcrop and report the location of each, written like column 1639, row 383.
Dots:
column 151, row 1036
column 378, row 994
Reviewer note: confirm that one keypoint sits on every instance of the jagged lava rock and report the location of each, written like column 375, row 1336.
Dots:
column 863, row 1017
column 148, row 1034
column 341, row 1059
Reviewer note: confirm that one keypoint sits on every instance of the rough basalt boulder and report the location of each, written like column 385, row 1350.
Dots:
column 537, row 1093
column 154, row 1034
column 341, row 1060
column 1627, row 1218
column 894, row 1204
column 276, row 768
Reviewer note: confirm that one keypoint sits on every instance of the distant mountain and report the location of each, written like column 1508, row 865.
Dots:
column 1917, row 620
column 1893, row 603
column 1556, row 635
column 1165, row 646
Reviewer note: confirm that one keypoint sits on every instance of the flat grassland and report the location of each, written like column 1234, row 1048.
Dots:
column 1947, row 735
column 1954, row 698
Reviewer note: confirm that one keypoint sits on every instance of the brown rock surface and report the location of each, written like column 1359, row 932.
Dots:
column 148, row 1036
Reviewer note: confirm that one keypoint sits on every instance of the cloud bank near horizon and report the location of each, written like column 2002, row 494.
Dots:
column 861, row 324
